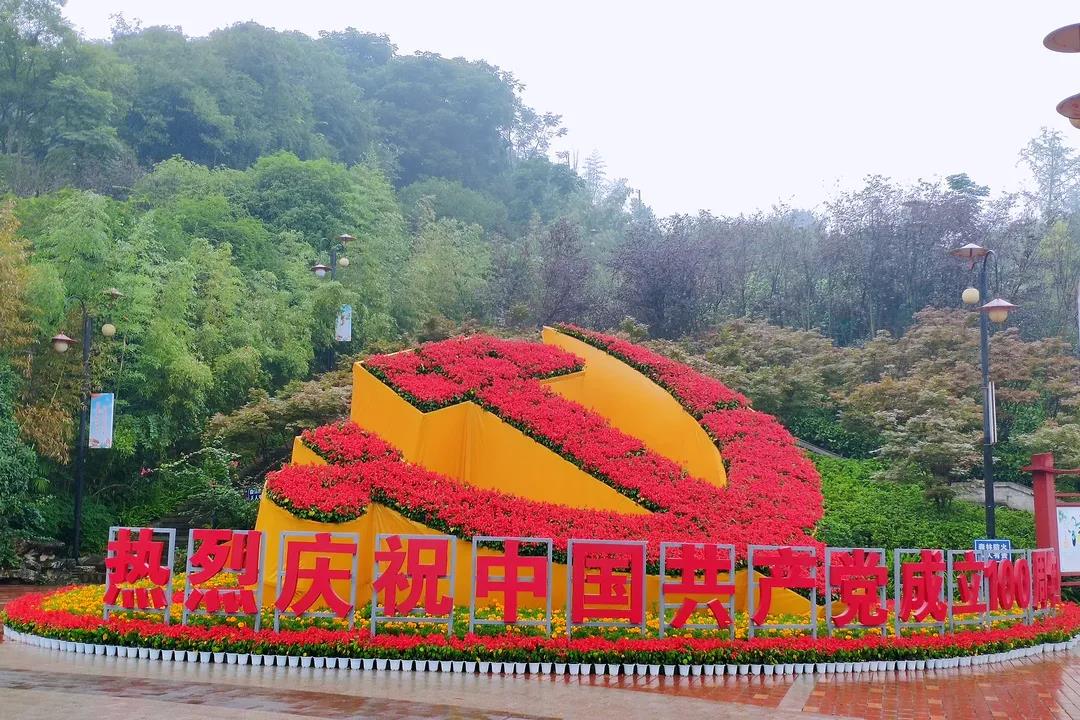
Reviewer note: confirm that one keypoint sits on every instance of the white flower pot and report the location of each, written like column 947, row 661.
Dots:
column 731, row 669
column 230, row 658
column 744, row 669
column 80, row 648
column 496, row 668
column 356, row 664
column 257, row 659
column 459, row 666
column 281, row 660
column 560, row 668
column 485, row 667
column 574, row 668
column 654, row 669
column 332, row 663
column 99, row 649
column 204, row 656
column 380, row 663
column 768, row 669
column 305, row 661
column 267, row 660
column 755, row 669
column 669, row 670
column 166, row 655
column 406, row 665
column 444, row 666
column 822, row 668
column 294, row 661
column 369, row 663
column 534, row 668
column 155, row 653
column 319, row 661
column 470, row 666
column 394, row 665
column 612, row 669
column 965, row 661
column 710, row 670
column 586, row 668
column 920, row 665
column 785, row 669
column 695, row 671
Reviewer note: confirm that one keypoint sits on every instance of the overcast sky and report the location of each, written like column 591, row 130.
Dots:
column 730, row 106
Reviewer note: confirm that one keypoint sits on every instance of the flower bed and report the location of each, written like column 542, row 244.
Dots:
column 30, row 621
column 773, row 494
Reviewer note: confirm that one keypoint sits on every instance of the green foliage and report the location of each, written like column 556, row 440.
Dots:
column 863, row 512
column 21, row 482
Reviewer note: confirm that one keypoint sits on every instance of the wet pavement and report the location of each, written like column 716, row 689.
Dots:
column 37, row 683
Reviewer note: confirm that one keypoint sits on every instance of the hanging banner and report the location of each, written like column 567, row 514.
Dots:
column 343, row 331
column 101, row 420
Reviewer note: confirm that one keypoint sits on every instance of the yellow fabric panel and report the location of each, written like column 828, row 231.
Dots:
column 639, row 407
column 466, row 442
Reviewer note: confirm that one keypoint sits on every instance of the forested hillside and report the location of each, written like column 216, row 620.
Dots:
column 202, row 177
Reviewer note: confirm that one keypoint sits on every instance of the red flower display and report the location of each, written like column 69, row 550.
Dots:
column 773, row 494
column 25, row 614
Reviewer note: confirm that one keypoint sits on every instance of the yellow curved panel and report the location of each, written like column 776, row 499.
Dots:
column 466, row 442
column 639, row 407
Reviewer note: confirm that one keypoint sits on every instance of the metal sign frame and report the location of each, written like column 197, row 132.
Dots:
column 283, row 543
column 1025, row 613
column 1049, row 609
column 664, row 606
column 378, row 614
column 752, row 587
column 636, row 545
column 476, row 542
column 223, row 613
column 830, row 553
column 114, row 532
column 950, row 584
column 898, row 563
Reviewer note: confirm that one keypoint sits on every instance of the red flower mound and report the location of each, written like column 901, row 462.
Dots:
column 773, row 494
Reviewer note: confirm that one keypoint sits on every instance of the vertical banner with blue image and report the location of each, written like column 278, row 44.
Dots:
column 101, row 420
column 343, row 330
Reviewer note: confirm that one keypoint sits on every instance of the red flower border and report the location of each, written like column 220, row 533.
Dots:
column 25, row 614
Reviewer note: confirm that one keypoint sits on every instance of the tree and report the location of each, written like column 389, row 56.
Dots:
column 564, row 274
column 449, row 268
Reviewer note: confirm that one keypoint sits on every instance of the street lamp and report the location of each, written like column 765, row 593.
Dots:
column 996, row 310
column 321, row 271
column 61, row 343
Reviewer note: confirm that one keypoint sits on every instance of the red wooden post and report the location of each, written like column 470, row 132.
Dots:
column 1042, row 484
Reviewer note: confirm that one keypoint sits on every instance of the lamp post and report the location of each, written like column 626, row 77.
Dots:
column 61, row 343
column 322, row 271
column 996, row 310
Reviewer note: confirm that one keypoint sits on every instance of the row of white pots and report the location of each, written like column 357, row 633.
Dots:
column 533, row 668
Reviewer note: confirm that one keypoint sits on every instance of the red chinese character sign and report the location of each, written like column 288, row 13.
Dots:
column 138, row 567
column 1045, row 580
column 1008, row 585
column 319, row 571
column 966, row 589
column 605, row 584
column 919, row 583
column 414, row 579
column 212, row 553
column 856, row 579
column 704, row 577
column 522, row 568
column 791, row 568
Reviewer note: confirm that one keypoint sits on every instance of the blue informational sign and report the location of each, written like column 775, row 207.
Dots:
column 101, row 421
column 343, row 330
column 993, row 549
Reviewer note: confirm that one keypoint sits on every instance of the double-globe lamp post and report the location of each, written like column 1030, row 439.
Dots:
column 997, row 310
column 322, row 271
column 61, row 343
